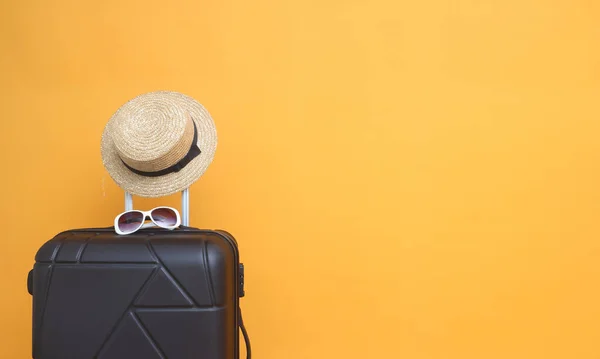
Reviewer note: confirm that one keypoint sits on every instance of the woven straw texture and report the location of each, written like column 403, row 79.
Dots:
column 154, row 131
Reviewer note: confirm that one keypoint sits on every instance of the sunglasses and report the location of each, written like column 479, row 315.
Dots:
column 131, row 221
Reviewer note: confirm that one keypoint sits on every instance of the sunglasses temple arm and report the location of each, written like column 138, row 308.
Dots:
column 185, row 207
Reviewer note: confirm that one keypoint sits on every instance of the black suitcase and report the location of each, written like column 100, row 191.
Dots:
column 154, row 294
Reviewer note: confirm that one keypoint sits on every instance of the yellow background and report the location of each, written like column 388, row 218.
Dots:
column 407, row 179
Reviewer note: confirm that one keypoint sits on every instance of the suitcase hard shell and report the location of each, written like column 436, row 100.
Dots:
column 154, row 294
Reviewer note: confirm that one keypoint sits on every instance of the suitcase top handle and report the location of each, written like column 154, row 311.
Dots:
column 185, row 205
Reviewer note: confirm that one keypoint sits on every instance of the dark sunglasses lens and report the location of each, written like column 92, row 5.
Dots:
column 164, row 217
column 129, row 222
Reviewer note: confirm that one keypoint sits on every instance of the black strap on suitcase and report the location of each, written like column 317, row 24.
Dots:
column 152, row 294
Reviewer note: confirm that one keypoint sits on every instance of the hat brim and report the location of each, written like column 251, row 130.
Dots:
column 171, row 183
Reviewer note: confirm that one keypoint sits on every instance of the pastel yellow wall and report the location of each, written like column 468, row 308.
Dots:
column 407, row 179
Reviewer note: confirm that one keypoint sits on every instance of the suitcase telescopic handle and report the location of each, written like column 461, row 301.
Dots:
column 185, row 205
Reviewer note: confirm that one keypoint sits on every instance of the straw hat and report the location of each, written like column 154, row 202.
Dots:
column 158, row 143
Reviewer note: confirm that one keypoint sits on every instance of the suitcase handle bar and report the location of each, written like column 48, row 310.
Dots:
column 185, row 205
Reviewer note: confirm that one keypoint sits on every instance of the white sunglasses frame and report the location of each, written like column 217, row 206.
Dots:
column 147, row 214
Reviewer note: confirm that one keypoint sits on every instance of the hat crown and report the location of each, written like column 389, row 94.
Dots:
column 145, row 132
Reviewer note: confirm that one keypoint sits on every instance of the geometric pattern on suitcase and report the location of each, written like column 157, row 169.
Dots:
column 148, row 305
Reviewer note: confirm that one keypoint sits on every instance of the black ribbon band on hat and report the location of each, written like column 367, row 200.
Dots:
column 192, row 153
